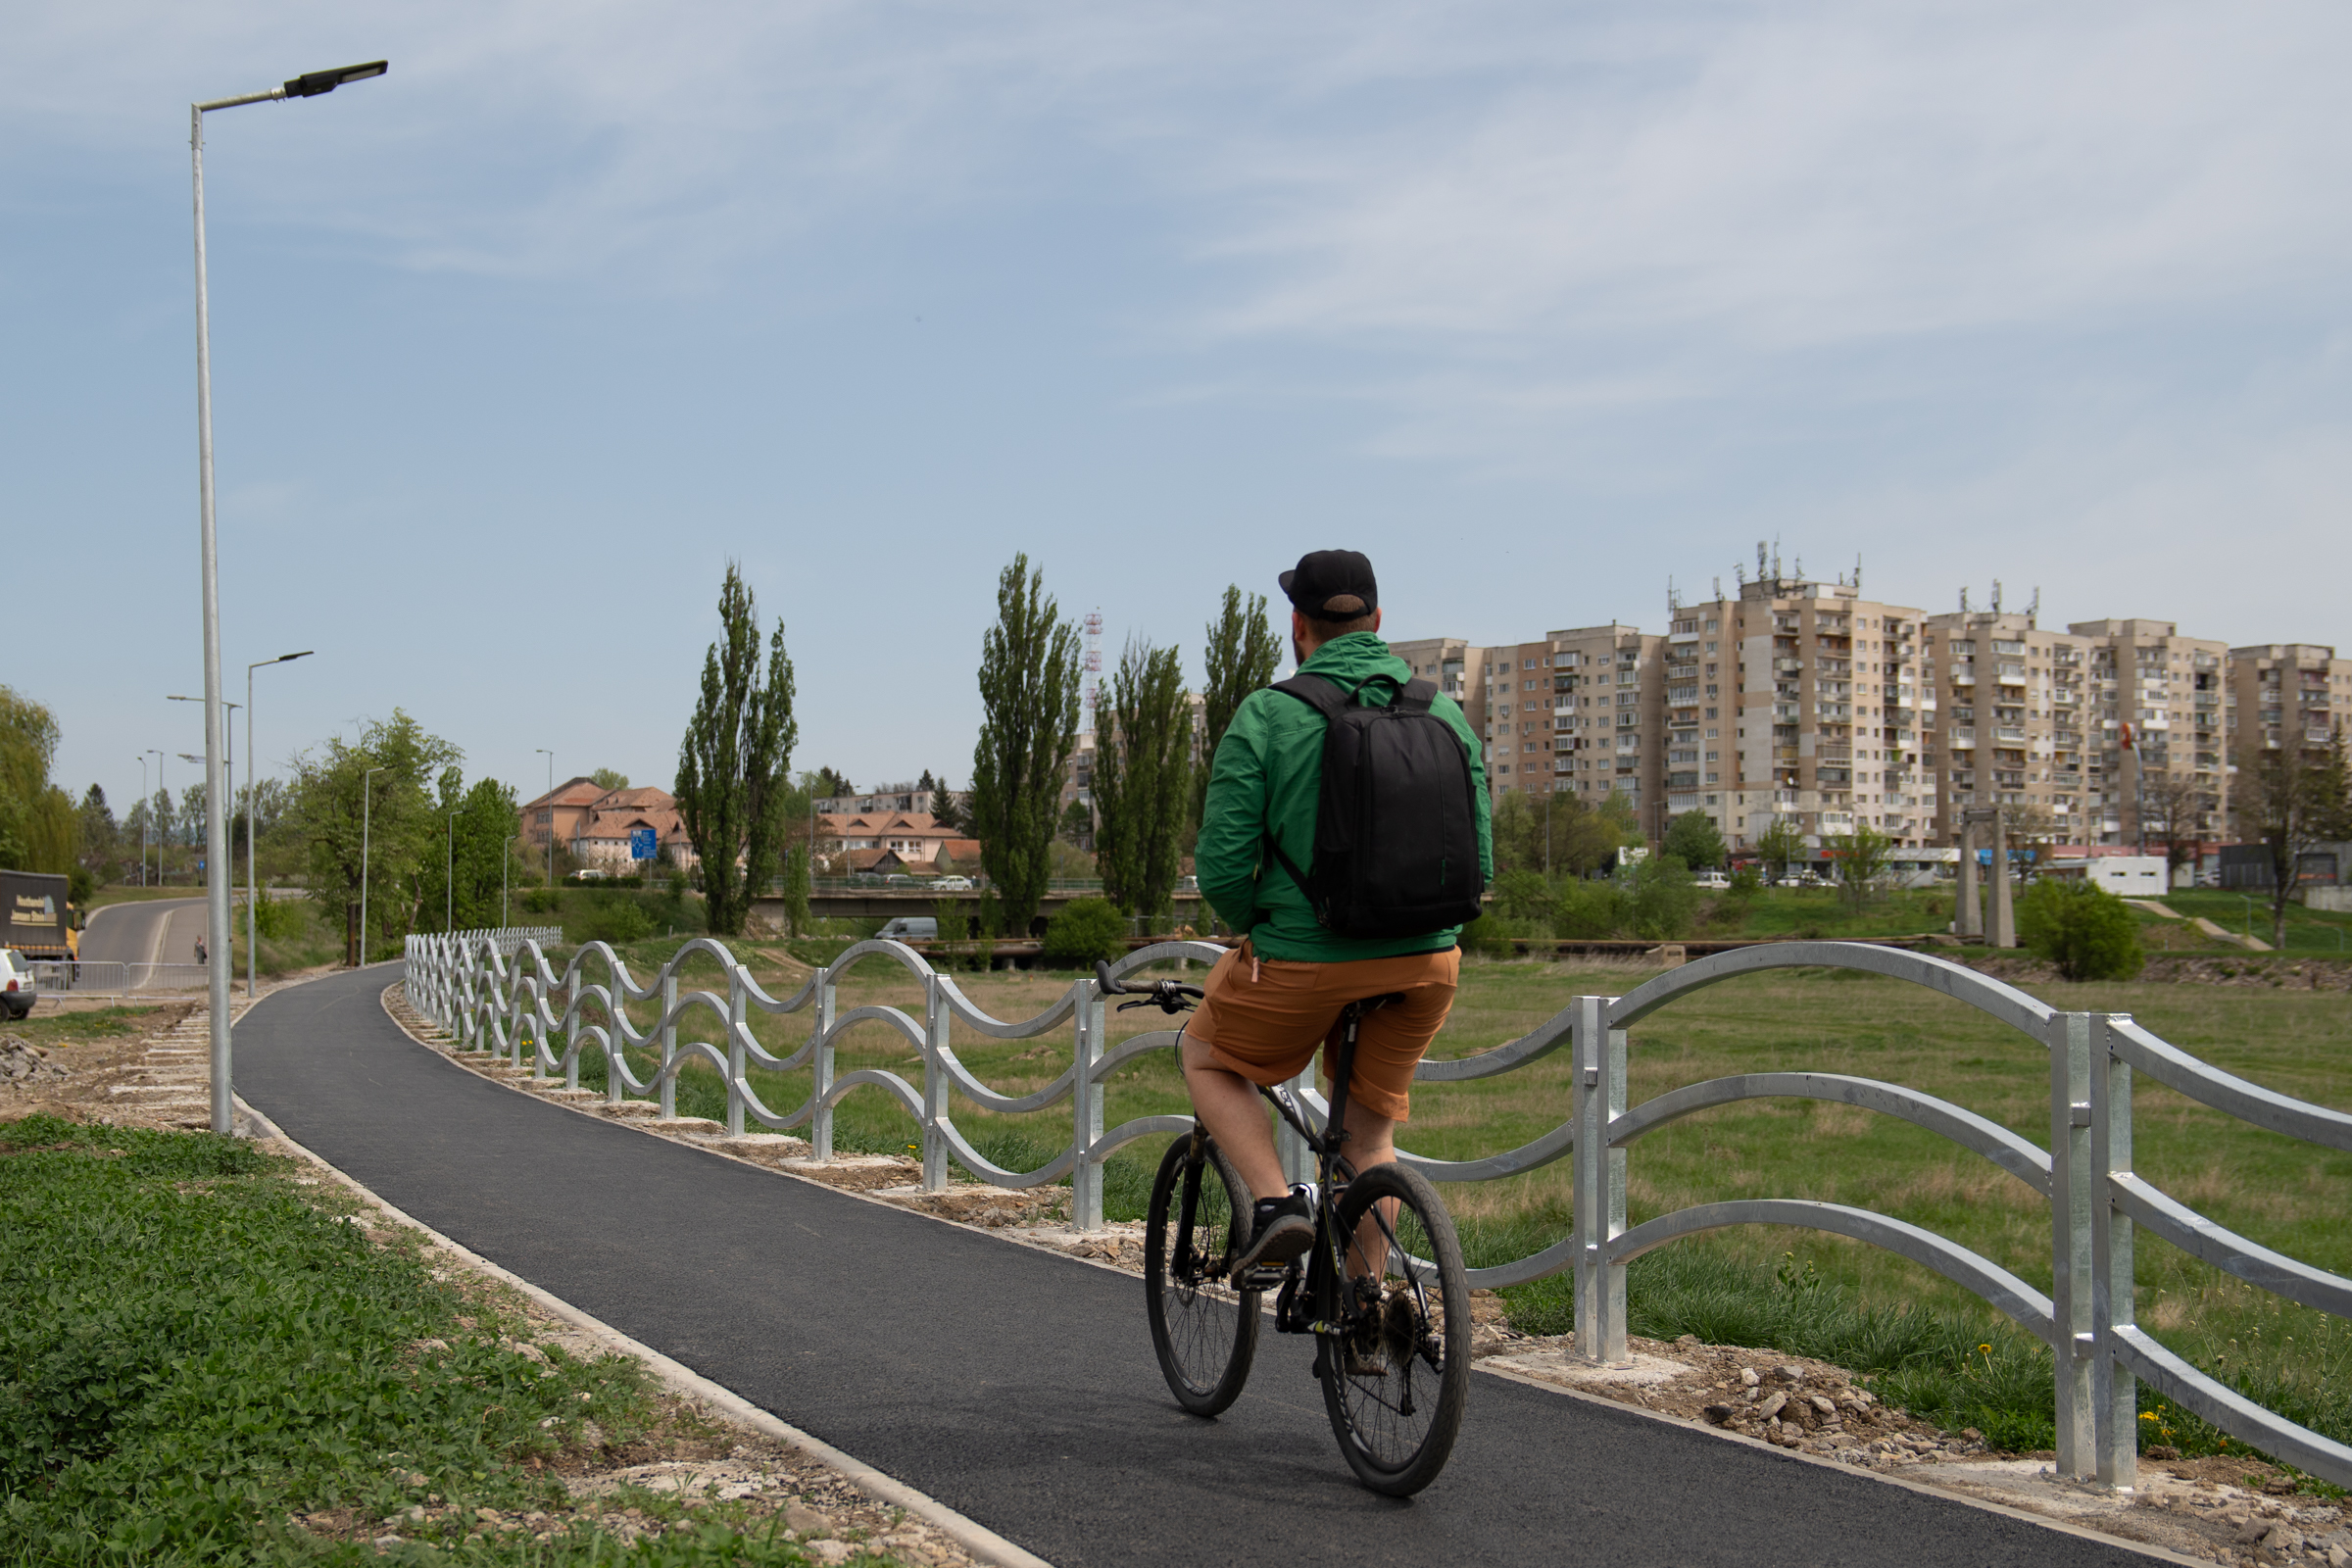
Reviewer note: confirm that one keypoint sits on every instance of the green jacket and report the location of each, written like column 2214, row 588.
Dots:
column 1268, row 771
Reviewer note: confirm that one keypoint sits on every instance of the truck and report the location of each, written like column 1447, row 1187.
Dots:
column 41, row 922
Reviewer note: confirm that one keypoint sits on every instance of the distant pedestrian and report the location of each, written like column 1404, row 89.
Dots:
column 200, row 957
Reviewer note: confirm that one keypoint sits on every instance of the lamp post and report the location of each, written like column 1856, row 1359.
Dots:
column 551, row 812
column 216, row 748
column 157, row 752
column 252, row 885
column 504, row 859
column 229, row 784
column 367, row 807
column 147, row 813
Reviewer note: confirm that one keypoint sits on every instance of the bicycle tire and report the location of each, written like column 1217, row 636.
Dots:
column 1204, row 1331
column 1396, row 1383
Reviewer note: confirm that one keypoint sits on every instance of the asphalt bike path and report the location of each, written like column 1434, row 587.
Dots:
column 1018, row 1387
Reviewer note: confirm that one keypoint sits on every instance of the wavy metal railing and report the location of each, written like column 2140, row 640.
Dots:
column 467, row 984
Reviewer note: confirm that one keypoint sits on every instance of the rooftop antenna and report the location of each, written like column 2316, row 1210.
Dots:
column 1739, row 573
column 1759, row 561
column 1857, row 569
column 1674, row 600
column 1964, row 599
column 1800, row 568
column 2034, row 608
column 1776, row 557
column 1997, row 596
column 1719, row 587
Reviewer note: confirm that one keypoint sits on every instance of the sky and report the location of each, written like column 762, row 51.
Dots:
column 1543, row 305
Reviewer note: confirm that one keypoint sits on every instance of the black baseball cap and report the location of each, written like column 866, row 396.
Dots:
column 1323, row 575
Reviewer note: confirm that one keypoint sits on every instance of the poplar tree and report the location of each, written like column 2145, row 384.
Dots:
column 1242, row 653
column 1028, row 726
column 1142, row 780
column 732, row 765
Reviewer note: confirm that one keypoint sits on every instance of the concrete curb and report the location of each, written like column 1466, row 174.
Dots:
column 975, row 1536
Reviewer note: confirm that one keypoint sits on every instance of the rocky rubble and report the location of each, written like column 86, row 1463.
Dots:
column 24, row 1063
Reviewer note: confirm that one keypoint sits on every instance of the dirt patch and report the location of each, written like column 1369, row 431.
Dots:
column 2271, row 973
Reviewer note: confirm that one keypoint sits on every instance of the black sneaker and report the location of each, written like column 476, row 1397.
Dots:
column 1281, row 1229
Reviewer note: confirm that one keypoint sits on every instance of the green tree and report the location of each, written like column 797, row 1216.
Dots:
column 1242, row 653
column 1076, row 826
column 334, row 801
column 733, row 765
column 1142, row 780
column 1664, row 903
column 1028, row 727
column 605, row 778
column 1780, row 844
column 39, row 828
column 2086, row 931
column 475, row 824
column 2291, row 798
column 1695, row 838
column 1525, row 895
column 829, row 784
column 1863, row 856
column 101, row 836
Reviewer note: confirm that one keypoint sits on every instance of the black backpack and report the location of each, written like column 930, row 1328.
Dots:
column 1396, row 850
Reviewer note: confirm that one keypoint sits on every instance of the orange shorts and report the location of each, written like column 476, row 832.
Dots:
column 1265, row 1026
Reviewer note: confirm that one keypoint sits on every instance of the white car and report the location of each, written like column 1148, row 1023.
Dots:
column 953, row 884
column 1713, row 880
column 18, row 992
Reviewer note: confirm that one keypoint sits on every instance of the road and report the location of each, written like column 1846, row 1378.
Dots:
column 150, row 931
column 1016, row 1386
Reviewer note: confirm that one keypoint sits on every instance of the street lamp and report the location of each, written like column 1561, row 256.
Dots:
column 216, row 749
column 157, row 752
column 551, row 812
column 367, row 804
column 252, row 884
column 228, row 778
column 144, row 816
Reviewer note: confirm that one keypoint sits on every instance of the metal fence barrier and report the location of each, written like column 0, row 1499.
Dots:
column 513, row 1002
column 109, row 977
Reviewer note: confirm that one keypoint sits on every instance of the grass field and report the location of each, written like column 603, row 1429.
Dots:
column 198, row 1345
column 1781, row 1284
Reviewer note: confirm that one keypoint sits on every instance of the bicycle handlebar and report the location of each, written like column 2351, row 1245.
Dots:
column 1169, row 996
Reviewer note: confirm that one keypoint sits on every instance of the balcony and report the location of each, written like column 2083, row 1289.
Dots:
column 2010, row 735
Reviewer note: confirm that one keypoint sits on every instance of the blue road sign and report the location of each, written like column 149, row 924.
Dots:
column 641, row 844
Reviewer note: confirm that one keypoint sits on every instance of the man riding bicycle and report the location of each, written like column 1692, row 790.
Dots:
column 1270, row 1002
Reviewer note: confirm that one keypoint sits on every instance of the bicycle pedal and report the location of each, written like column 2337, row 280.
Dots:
column 1262, row 1278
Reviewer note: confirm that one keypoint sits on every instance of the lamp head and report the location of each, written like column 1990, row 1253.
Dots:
column 312, row 84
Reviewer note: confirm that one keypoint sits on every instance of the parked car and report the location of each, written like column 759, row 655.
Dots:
column 1713, row 880
column 18, row 992
column 953, row 884
column 898, row 879
column 910, row 928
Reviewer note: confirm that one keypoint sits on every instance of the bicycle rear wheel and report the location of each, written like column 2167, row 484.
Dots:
column 1205, row 1331
column 1395, row 1383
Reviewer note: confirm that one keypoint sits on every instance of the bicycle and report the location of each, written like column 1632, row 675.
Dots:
column 1392, row 1342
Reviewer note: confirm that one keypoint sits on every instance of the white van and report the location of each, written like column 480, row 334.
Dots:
column 910, row 928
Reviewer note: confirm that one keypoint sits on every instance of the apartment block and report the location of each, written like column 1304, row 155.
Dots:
column 2008, row 726
column 1449, row 661
column 1577, row 712
column 2282, row 694
column 2170, row 689
column 1798, row 700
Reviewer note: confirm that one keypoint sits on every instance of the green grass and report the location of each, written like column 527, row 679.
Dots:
column 77, row 1028
column 2285, row 1194
column 1816, row 912
column 194, row 1346
column 2309, row 932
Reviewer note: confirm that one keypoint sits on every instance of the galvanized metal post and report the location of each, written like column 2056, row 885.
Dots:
column 669, row 1045
column 1297, row 1161
column 1597, row 1094
column 2114, row 1390
column 820, row 1060
column 2071, row 1187
column 1967, row 911
column 1086, row 1112
column 738, row 1005
column 934, row 1086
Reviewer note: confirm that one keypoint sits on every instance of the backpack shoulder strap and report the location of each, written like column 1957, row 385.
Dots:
column 1416, row 697
column 1325, row 697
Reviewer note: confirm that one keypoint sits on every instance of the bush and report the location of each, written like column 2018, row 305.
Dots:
column 1694, row 839
column 1665, row 904
column 1588, row 911
column 275, row 919
column 1492, row 935
column 1085, row 931
column 613, row 918
column 1523, row 896
column 2087, row 932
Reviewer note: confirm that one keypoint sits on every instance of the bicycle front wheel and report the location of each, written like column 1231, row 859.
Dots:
column 1204, row 1330
column 1396, row 1379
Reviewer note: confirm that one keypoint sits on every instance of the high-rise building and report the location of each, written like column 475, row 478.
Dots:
column 2283, row 694
column 1577, row 712
column 1797, row 699
column 2010, row 702
column 2168, row 690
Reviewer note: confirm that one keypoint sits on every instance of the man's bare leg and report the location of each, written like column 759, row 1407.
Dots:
column 1229, row 1106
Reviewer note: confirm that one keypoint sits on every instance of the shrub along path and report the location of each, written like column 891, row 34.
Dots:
column 1016, row 1386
